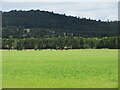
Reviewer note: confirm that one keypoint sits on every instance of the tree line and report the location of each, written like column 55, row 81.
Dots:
column 60, row 43
column 20, row 32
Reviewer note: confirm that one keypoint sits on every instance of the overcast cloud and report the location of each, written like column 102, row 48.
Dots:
column 60, row 0
column 94, row 10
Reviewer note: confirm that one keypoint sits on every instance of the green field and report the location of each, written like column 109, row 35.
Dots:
column 61, row 69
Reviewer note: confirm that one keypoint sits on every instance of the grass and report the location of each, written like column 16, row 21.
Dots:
column 0, row 70
column 60, row 69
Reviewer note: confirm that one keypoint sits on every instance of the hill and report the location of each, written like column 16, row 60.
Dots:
column 36, row 23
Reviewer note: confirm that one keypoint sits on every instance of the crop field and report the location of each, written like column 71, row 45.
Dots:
column 60, row 68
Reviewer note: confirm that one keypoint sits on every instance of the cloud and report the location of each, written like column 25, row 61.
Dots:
column 94, row 10
column 60, row 0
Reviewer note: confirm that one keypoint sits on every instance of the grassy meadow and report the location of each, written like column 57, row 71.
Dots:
column 60, row 69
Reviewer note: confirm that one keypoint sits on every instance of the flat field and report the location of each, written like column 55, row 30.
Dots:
column 60, row 69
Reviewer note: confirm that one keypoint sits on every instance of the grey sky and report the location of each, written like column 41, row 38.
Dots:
column 93, row 10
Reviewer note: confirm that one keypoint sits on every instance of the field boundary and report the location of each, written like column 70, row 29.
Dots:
column 60, row 89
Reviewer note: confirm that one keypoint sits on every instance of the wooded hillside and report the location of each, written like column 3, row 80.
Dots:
column 37, row 24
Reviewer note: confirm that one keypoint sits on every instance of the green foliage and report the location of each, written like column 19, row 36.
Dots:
column 61, row 43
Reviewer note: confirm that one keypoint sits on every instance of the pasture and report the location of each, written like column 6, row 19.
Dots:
column 60, row 69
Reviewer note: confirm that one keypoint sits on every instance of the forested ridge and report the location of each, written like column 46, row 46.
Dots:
column 37, row 24
column 35, row 29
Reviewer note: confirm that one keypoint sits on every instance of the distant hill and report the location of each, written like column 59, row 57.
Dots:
column 51, row 24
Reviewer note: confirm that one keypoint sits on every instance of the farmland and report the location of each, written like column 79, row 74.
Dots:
column 88, row 68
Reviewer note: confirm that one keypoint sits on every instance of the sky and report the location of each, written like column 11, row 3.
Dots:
column 59, row 0
column 95, row 10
